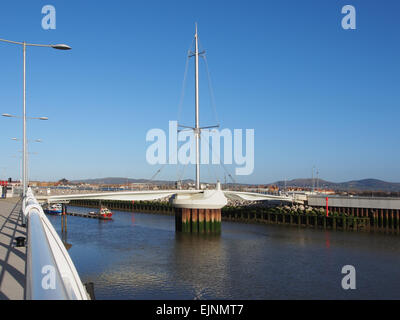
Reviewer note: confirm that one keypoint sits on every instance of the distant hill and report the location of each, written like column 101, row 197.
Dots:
column 359, row 185
column 113, row 180
column 355, row 185
column 118, row 180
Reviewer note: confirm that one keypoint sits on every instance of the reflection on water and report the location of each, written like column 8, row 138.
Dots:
column 139, row 256
column 64, row 239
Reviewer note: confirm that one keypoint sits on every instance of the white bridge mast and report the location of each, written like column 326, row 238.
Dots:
column 197, row 127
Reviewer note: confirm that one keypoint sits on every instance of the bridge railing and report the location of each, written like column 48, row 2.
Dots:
column 50, row 272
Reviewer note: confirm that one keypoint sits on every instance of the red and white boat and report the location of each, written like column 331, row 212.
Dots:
column 104, row 213
column 55, row 209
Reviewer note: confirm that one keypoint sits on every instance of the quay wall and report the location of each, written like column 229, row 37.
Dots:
column 139, row 206
column 354, row 202
column 339, row 218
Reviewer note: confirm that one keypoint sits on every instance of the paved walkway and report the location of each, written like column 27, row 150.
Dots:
column 12, row 258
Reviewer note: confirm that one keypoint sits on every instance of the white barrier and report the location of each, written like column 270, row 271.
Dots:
column 50, row 272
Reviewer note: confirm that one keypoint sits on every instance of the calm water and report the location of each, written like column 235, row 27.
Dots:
column 139, row 256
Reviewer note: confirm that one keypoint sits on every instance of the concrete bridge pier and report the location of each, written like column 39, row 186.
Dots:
column 199, row 212
column 202, row 221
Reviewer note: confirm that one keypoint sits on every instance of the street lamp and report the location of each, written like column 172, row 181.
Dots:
column 4, row 173
column 12, row 116
column 27, row 154
column 24, row 45
column 36, row 140
column 25, row 158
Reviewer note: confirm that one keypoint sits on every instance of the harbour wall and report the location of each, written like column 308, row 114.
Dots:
column 339, row 218
column 354, row 202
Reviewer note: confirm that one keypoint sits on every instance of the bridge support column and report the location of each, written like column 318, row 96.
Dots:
column 198, row 220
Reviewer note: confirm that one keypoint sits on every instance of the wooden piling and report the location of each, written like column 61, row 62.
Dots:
column 201, row 221
column 212, row 221
column 184, row 220
column 391, row 220
column 208, row 221
column 194, row 219
column 386, row 220
column 218, row 221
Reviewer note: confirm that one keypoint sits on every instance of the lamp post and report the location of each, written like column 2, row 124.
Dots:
column 24, row 147
column 27, row 155
column 24, row 45
column 3, row 169
column 20, row 157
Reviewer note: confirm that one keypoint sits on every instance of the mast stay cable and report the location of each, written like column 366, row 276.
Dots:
column 182, row 100
column 223, row 166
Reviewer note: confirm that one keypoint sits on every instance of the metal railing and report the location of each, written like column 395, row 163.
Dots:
column 50, row 272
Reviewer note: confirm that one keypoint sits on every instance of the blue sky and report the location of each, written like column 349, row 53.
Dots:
column 315, row 94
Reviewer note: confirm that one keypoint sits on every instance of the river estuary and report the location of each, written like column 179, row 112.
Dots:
column 139, row 256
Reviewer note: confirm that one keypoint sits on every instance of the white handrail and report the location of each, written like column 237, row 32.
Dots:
column 51, row 274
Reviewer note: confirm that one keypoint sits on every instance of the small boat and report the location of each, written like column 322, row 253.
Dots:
column 104, row 214
column 54, row 209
